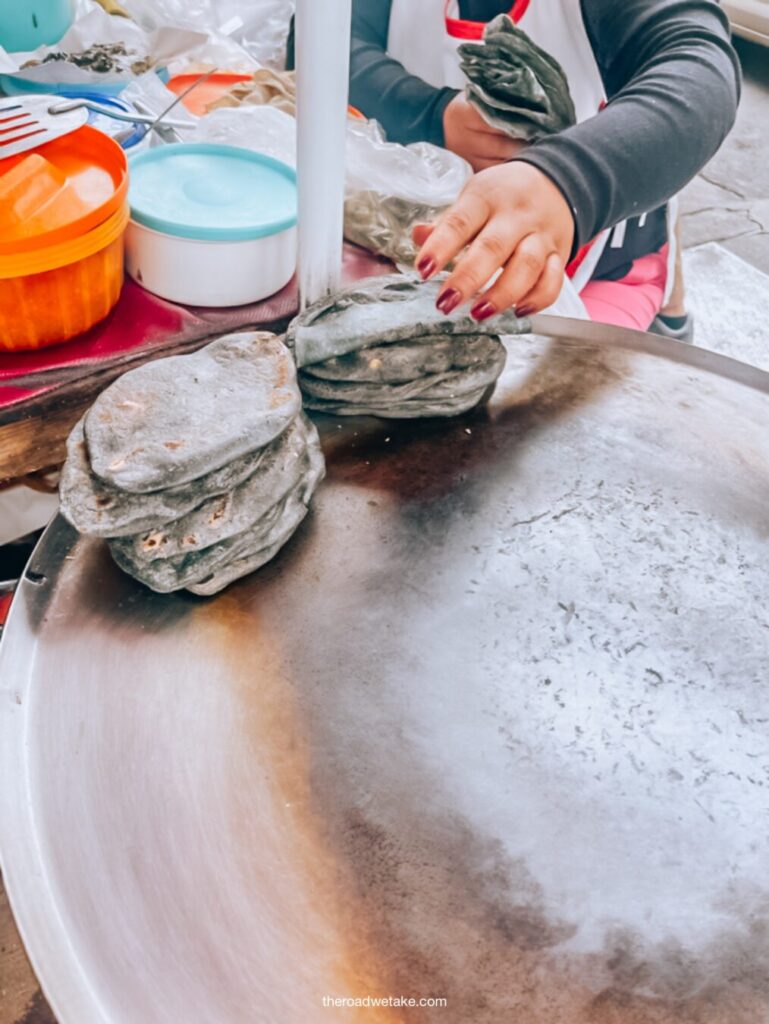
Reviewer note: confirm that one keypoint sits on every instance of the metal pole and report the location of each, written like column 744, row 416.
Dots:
column 323, row 68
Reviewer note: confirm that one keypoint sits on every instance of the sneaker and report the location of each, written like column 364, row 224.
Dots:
column 680, row 328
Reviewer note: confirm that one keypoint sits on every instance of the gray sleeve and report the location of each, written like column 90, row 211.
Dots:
column 408, row 108
column 673, row 83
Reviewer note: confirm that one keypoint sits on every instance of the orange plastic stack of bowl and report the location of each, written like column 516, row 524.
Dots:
column 63, row 214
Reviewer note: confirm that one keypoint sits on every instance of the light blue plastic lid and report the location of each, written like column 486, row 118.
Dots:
column 211, row 193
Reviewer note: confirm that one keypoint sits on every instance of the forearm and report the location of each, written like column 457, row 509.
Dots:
column 408, row 109
column 673, row 84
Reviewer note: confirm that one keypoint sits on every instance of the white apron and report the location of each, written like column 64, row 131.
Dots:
column 425, row 35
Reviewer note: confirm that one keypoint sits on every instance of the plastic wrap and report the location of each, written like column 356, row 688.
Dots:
column 263, row 129
column 256, row 30
column 391, row 188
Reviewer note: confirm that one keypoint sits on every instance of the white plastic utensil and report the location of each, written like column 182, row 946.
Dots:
column 152, row 121
column 66, row 106
column 26, row 123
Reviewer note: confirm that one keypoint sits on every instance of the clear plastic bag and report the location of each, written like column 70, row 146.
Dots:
column 391, row 188
column 264, row 129
column 256, row 30
column 265, row 39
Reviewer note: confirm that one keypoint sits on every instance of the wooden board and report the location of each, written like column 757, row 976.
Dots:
column 38, row 440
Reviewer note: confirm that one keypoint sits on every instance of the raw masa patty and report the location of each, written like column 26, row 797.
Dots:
column 380, row 311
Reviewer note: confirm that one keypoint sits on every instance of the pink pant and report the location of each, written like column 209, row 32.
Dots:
column 635, row 299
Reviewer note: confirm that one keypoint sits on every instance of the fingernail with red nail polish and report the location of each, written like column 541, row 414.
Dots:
column 482, row 311
column 448, row 300
column 523, row 311
column 426, row 267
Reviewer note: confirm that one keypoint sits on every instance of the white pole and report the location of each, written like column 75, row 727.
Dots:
column 322, row 73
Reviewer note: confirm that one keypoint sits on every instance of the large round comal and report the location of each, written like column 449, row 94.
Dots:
column 211, row 225
column 490, row 730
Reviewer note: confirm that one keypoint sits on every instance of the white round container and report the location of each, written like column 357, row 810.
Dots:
column 210, row 273
column 211, row 225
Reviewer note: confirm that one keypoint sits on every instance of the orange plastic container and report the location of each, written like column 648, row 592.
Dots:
column 207, row 92
column 213, row 89
column 63, row 214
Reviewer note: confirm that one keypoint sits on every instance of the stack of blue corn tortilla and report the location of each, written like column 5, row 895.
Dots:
column 382, row 348
column 197, row 468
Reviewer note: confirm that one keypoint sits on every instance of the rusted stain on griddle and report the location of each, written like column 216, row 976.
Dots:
column 276, row 733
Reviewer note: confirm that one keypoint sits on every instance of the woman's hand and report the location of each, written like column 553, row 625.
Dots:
column 513, row 217
column 465, row 132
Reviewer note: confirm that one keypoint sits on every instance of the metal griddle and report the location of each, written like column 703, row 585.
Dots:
column 493, row 728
